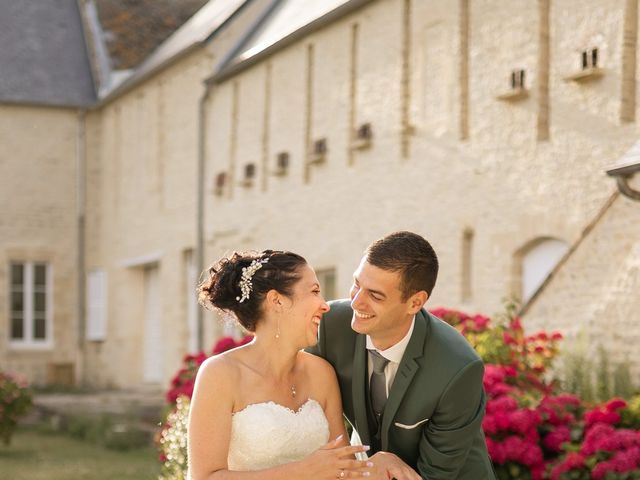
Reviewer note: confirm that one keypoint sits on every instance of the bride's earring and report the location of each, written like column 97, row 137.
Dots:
column 278, row 324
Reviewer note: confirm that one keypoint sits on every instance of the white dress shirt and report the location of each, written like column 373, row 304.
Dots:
column 393, row 354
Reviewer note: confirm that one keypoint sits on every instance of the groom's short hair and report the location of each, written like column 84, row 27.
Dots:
column 409, row 254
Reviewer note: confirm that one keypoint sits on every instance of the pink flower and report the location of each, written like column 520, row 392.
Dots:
column 572, row 461
column 599, row 416
column 516, row 324
column 568, row 399
column 615, row 404
column 524, row 420
column 496, row 452
column 502, row 405
column 481, row 322
column 601, row 470
column 531, row 456
column 554, row 440
column 224, row 344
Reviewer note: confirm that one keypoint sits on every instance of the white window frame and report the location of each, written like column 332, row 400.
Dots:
column 28, row 342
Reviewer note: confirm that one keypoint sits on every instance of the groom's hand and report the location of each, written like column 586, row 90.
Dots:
column 389, row 466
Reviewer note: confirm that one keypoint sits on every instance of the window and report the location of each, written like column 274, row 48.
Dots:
column 590, row 58
column 327, row 279
column 30, row 309
column 538, row 262
column 517, row 79
column 96, row 306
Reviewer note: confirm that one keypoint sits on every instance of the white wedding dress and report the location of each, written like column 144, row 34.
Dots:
column 268, row 434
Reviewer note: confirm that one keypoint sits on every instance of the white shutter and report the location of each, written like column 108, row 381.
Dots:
column 96, row 321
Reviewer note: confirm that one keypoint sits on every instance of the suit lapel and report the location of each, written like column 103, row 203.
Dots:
column 358, row 389
column 406, row 371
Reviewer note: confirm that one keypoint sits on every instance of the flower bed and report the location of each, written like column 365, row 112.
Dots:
column 533, row 430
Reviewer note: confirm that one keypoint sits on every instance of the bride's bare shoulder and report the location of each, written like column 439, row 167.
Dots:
column 316, row 366
column 223, row 366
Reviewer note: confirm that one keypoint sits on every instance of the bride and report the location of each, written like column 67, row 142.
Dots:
column 267, row 410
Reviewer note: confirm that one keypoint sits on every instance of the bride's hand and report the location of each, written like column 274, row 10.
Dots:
column 333, row 461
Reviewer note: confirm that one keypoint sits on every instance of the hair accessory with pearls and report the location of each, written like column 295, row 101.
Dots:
column 247, row 274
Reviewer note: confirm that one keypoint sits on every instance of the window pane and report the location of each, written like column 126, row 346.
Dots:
column 40, row 274
column 39, row 301
column 39, row 332
column 17, row 302
column 17, row 328
column 17, row 274
column 327, row 279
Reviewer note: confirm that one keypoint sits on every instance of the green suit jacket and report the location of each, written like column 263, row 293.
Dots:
column 433, row 417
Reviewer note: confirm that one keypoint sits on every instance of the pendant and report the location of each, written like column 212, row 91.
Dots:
column 293, row 391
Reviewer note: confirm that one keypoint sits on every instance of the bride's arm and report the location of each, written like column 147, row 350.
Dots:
column 209, row 433
column 328, row 392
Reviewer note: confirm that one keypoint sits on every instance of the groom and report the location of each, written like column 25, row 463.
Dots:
column 411, row 384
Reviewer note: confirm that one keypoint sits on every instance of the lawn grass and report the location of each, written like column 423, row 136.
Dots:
column 34, row 455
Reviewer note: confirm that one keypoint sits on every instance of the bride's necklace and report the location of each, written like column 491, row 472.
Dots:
column 293, row 390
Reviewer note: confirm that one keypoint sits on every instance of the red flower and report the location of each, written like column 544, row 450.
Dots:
column 573, row 461
column 502, row 405
column 524, row 420
column 615, row 404
column 600, row 416
column 224, row 344
column 554, row 440
column 516, row 324
column 481, row 322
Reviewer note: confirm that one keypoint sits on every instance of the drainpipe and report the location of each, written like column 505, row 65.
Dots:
column 81, row 154
column 201, row 182
column 624, row 173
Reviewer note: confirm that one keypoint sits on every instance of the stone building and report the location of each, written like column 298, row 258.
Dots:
column 318, row 126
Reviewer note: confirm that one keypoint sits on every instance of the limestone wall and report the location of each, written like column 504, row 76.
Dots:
column 38, row 175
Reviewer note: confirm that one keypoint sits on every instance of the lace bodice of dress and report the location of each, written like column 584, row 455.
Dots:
column 267, row 434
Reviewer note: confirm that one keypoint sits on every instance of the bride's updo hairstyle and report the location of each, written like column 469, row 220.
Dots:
column 279, row 270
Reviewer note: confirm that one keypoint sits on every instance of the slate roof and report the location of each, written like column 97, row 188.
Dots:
column 134, row 28
column 43, row 55
column 196, row 31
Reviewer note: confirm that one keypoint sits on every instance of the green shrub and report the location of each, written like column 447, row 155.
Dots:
column 15, row 401
column 125, row 436
column 622, row 384
column 599, row 382
column 603, row 376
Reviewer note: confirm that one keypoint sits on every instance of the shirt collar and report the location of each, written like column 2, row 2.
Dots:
column 395, row 352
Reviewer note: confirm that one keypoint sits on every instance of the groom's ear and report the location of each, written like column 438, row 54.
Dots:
column 417, row 301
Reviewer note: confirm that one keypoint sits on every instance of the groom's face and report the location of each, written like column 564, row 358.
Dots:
column 378, row 308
